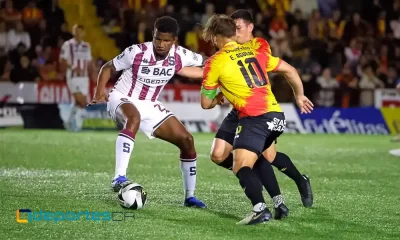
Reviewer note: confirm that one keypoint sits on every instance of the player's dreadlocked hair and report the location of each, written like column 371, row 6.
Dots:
column 167, row 24
column 242, row 14
column 219, row 24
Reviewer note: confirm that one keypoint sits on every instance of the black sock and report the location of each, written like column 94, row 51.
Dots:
column 266, row 174
column 251, row 185
column 285, row 165
column 228, row 162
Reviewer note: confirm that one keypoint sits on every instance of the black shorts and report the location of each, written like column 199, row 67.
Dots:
column 258, row 133
column 228, row 127
column 227, row 130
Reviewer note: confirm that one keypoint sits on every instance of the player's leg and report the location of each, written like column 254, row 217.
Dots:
column 221, row 154
column 252, row 136
column 127, row 115
column 173, row 131
column 286, row 166
column 222, row 145
column 79, row 88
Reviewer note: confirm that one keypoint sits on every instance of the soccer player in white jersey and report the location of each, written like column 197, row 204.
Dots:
column 147, row 68
column 76, row 61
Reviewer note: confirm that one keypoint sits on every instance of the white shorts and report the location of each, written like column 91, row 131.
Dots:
column 152, row 114
column 78, row 84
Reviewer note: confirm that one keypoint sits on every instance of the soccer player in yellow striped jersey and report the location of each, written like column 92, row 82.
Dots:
column 247, row 88
column 221, row 151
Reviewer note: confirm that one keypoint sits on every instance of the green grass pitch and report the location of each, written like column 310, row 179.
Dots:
column 356, row 188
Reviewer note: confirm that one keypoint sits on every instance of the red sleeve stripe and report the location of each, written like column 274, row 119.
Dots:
column 211, row 87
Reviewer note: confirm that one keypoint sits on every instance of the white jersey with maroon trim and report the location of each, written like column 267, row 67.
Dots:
column 78, row 55
column 144, row 77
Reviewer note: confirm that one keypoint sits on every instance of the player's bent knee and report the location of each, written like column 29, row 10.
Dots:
column 243, row 158
column 217, row 157
column 269, row 155
column 186, row 143
column 220, row 150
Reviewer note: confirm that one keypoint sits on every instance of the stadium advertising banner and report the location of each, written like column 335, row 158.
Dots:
column 347, row 120
column 184, row 100
column 387, row 98
column 10, row 117
column 392, row 118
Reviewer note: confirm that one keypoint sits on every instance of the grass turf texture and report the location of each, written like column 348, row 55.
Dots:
column 355, row 183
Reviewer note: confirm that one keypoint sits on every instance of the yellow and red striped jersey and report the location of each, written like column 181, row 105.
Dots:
column 240, row 71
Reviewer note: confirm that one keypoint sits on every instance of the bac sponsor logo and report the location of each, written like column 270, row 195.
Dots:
column 158, row 71
column 392, row 118
column 348, row 120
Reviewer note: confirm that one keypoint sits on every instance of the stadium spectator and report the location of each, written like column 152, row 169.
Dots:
column 316, row 25
column 355, row 28
column 25, row 72
column 391, row 78
column 40, row 34
column 17, row 36
column 31, row 14
column 328, row 84
column 49, row 71
column 9, row 14
column 348, row 84
column 17, row 53
column 3, row 36
column 54, row 16
column 336, row 25
column 210, row 11
column 353, row 52
column 368, row 82
column 395, row 27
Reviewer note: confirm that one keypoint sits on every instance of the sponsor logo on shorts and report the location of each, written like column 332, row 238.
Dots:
column 277, row 125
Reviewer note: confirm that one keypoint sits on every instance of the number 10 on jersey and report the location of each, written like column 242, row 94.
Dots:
column 252, row 79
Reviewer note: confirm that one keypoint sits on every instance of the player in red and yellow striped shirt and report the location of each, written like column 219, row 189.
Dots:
column 221, row 150
column 240, row 72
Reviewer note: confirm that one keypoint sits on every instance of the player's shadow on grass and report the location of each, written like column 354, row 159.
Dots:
column 223, row 214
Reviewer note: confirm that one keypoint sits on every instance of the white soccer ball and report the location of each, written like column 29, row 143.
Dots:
column 132, row 196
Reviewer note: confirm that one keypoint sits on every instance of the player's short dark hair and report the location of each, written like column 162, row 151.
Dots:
column 242, row 14
column 167, row 24
column 219, row 24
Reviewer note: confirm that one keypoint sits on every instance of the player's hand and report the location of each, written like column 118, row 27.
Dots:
column 305, row 105
column 220, row 98
column 99, row 97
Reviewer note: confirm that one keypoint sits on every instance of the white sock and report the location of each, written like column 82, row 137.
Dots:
column 259, row 207
column 278, row 200
column 76, row 118
column 189, row 174
column 123, row 149
column 79, row 118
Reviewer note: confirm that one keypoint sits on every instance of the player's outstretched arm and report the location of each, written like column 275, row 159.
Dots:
column 104, row 75
column 191, row 72
column 305, row 105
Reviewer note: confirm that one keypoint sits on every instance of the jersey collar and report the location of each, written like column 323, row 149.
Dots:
column 230, row 43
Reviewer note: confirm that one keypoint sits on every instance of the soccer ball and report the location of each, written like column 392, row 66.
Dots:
column 132, row 196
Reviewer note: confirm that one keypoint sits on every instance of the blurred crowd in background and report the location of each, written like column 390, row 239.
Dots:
column 343, row 50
